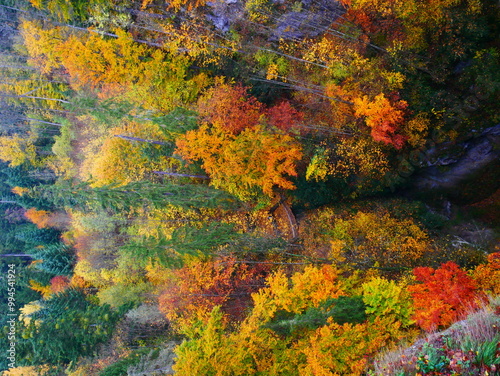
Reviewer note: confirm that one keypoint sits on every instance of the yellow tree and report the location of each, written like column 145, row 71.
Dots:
column 94, row 60
column 254, row 349
column 42, row 44
column 26, row 371
column 141, row 74
column 177, row 4
column 363, row 161
column 342, row 349
column 487, row 276
column 120, row 160
column 379, row 238
column 16, row 150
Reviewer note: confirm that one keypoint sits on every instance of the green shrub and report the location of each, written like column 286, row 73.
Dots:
column 348, row 310
column 383, row 297
column 431, row 360
column 342, row 310
column 120, row 367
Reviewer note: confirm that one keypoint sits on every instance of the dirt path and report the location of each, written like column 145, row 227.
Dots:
column 284, row 220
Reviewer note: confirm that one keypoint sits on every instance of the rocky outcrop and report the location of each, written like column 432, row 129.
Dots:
column 224, row 13
column 312, row 20
column 465, row 173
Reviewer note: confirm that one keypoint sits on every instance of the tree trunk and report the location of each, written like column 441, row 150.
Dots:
column 42, row 121
column 32, row 97
column 130, row 138
column 15, row 255
column 182, row 175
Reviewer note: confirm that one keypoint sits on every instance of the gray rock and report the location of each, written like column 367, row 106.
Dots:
column 314, row 20
column 224, row 13
column 469, row 174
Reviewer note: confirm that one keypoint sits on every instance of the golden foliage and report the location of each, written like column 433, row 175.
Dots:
column 156, row 274
column 360, row 156
column 42, row 44
column 340, row 349
column 16, row 150
column 303, row 290
column 368, row 238
column 252, row 348
column 416, row 130
column 84, row 270
column 78, row 282
column 372, row 236
column 95, row 60
column 254, row 161
column 487, row 276
column 196, row 41
column 19, row 190
column 45, row 291
column 149, row 77
column 123, row 161
column 27, row 371
column 362, row 160
column 188, row 4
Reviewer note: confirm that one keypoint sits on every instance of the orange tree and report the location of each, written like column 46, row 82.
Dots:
column 230, row 107
column 383, row 117
column 249, row 165
column 191, row 292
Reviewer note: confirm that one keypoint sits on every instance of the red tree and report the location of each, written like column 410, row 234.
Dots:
column 58, row 284
column 443, row 295
column 284, row 116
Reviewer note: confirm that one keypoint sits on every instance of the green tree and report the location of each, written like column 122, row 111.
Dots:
column 35, row 237
column 133, row 195
column 55, row 258
column 66, row 327
column 185, row 240
column 389, row 299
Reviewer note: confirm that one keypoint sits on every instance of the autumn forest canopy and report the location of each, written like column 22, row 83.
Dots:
column 250, row 187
